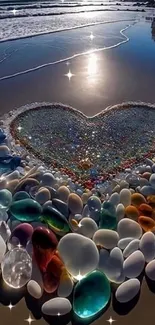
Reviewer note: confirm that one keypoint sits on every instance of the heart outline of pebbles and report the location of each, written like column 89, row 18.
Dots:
column 86, row 147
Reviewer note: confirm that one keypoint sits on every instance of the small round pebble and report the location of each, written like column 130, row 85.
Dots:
column 34, row 289
column 150, row 270
column 55, row 306
column 125, row 197
column 120, row 211
column 131, row 247
column 129, row 228
column 43, row 196
column 106, row 238
column 134, row 264
column 75, row 203
column 137, row 199
column 63, row 193
column 147, row 246
column 127, row 290
column 87, row 227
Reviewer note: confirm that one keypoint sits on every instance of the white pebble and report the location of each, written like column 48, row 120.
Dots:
column 147, row 246
column 106, row 238
column 134, row 264
column 120, row 211
column 2, row 248
column 129, row 228
column 34, row 289
column 87, row 227
column 127, row 290
column 55, row 306
column 131, row 247
column 150, row 270
column 124, row 242
column 125, row 197
column 115, row 198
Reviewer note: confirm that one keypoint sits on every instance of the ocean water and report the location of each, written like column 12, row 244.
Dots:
column 21, row 19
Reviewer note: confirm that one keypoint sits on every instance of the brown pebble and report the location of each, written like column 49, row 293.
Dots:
column 132, row 212
column 147, row 224
column 145, row 210
column 137, row 199
column 146, row 175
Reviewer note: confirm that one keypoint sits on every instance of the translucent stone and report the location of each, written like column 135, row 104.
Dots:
column 26, row 210
column 55, row 220
column 16, row 268
column 108, row 217
column 5, row 199
column 91, row 294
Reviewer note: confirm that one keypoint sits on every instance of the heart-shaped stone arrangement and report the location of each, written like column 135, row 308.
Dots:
column 87, row 148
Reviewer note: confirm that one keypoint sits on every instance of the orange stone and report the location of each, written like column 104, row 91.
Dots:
column 151, row 201
column 132, row 212
column 145, row 210
column 137, row 199
column 146, row 223
column 51, row 277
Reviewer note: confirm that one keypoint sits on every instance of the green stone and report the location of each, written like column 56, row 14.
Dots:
column 26, row 210
column 108, row 218
column 22, row 195
column 91, row 294
column 55, row 220
column 5, row 199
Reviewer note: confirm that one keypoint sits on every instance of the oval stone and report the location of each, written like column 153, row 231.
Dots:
column 107, row 218
column 75, row 203
column 131, row 247
column 55, row 220
column 44, row 244
column 114, row 270
column 134, row 264
column 129, row 228
column 120, row 211
column 23, row 232
column 43, row 195
column 147, row 246
column 5, row 199
column 132, row 212
column 115, row 198
column 63, row 193
column 51, row 278
column 106, row 238
column 152, row 180
column 2, row 248
column 137, row 199
column 124, row 242
column 94, row 203
column 55, row 306
column 127, row 290
column 98, row 287
column 125, row 197
column 148, row 224
column 26, row 210
column 82, row 258
column 145, row 210
column 150, row 270
column 87, row 227
column 61, row 206
column 48, row 179
column 22, row 195
column 34, row 289
column 4, row 151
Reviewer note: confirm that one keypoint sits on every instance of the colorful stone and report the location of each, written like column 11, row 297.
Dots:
column 44, row 244
column 108, row 218
column 132, row 212
column 66, row 285
column 55, row 220
column 51, row 278
column 137, row 199
column 145, row 210
column 22, row 195
column 147, row 224
column 26, row 210
column 23, row 232
column 5, row 199
column 95, row 287
column 61, row 206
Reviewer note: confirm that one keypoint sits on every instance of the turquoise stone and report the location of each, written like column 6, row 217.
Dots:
column 91, row 294
column 21, row 196
column 55, row 220
column 26, row 210
column 108, row 218
column 5, row 199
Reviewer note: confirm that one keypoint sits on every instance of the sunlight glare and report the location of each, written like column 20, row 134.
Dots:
column 92, row 64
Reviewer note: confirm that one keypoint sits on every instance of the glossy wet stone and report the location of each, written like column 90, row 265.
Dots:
column 94, row 287
column 108, row 218
column 61, row 206
column 16, row 268
column 147, row 223
column 23, row 232
column 132, row 212
column 137, row 199
column 51, row 278
column 26, row 210
column 5, row 199
column 21, row 195
column 145, row 210
column 44, row 244
column 55, row 220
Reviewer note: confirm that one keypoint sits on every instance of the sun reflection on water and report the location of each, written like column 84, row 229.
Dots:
column 92, row 64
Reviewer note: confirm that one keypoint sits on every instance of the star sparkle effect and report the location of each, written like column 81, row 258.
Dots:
column 14, row 11
column 91, row 36
column 69, row 75
column 19, row 128
column 79, row 277
column 110, row 320
column 29, row 320
column 10, row 306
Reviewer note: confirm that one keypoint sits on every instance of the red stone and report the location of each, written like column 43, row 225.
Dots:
column 44, row 244
column 51, row 277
